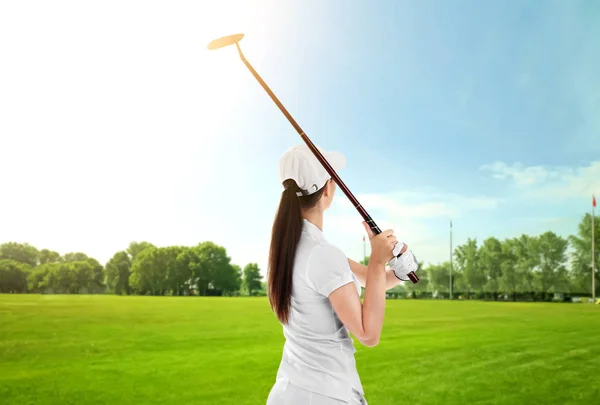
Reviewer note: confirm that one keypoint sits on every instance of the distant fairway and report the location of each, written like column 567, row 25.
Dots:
column 164, row 350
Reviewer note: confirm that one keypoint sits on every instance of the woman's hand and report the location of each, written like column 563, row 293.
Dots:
column 382, row 245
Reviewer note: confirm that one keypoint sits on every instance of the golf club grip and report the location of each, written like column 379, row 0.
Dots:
column 366, row 217
column 411, row 276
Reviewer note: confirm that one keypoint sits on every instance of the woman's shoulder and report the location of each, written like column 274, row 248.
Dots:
column 326, row 258
column 328, row 252
column 327, row 268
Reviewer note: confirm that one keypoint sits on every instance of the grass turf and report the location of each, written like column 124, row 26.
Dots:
column 188, row 350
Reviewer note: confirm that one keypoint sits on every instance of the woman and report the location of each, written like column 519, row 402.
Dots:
column 314, row 289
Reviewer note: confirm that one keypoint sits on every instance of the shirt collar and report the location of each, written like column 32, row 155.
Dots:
column 312, row 229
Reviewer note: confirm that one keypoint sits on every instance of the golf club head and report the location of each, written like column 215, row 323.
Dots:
column 224, row 41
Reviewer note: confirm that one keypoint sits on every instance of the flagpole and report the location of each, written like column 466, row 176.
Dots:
column 450, row 259
column 593, row 255
column 364, row 249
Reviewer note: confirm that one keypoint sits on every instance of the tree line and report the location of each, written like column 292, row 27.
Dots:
column 141, row 269
column 520, row 268
column 533, row 268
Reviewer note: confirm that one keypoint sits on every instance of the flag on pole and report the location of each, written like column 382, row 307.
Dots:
column 593, row 200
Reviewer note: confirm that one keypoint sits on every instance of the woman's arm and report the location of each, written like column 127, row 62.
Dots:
column 365, row 319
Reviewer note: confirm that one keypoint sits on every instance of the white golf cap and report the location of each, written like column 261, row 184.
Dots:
column 301, row 165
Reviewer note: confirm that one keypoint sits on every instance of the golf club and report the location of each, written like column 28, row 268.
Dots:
column 235, row 39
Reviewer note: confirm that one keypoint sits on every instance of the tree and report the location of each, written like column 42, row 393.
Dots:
column 77, row 277
column 74, row 257
column 178, row 271
column 13, row 276
column 188, row 265
column 252, row 278
column 439, row 277
column 40, row 278
column 99, row 275
column 459, row 283
column 227, row 281
column 490, row 261
column 135, row 248
column 582, row 255
column 96, row 284
column 213, row 272
column 238, row 277
column 467, row 258
column 64, row 279
column 511, row 279
column 49, row 256
column 397, row 291
column 84, row 275
column 149, row 271
column 263, row 289
column 118, row 270
column 19, row 252
column 526, row 251
column 551, row 250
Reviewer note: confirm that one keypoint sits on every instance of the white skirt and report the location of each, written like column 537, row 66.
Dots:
column 285, row 393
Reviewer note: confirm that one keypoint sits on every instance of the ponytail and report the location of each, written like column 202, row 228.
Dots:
column 285, row 235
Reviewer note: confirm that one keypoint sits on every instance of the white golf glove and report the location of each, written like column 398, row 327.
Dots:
column 406, row 263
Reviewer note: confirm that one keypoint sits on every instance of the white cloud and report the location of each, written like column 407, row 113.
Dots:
column 556, row 182
column 421, row 204
column 419, row 218
column 522, row 175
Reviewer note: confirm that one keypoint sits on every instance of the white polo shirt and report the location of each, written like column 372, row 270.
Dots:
column 318, row 354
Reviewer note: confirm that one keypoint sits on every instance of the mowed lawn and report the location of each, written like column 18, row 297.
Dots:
column 188, row 350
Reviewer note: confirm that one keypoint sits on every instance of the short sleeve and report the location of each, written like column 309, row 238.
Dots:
column 328, row 269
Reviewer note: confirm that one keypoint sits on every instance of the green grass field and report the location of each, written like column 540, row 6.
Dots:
column 163, row 350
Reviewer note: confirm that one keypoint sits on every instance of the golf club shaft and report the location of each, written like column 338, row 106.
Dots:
column 365, row 215
column 312, row 147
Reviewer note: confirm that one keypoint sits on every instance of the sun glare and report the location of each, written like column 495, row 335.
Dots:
column 222, row 75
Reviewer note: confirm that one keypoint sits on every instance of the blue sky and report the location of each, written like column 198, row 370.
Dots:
column 120, row 125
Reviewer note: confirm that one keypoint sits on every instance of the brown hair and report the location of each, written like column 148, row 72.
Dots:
column 286, row 232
